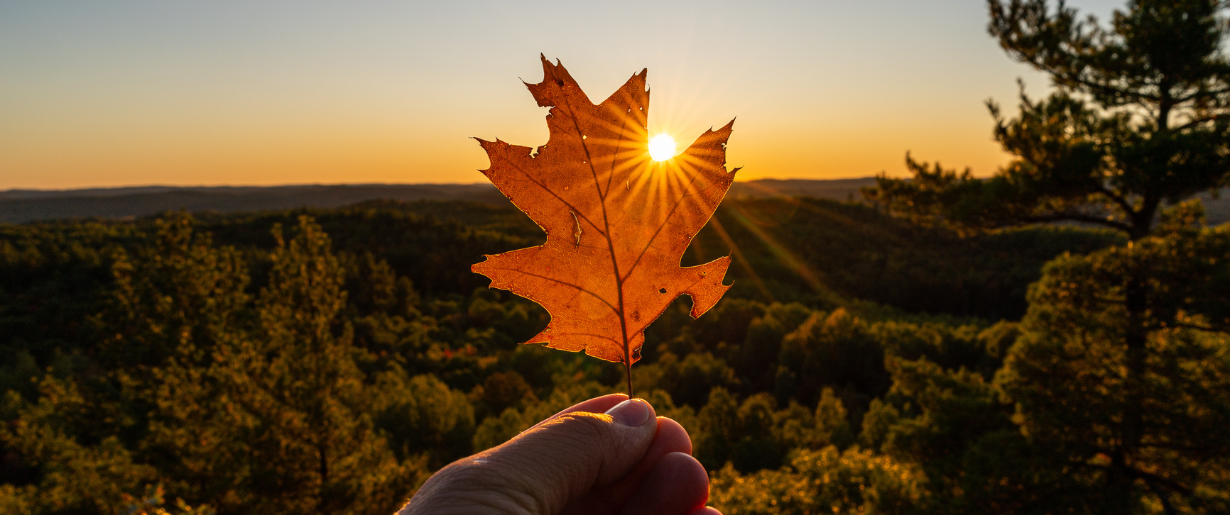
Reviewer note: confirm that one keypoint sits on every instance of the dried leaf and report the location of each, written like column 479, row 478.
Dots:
column 617, row 222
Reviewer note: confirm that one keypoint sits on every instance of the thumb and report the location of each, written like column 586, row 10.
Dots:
column 546, row 467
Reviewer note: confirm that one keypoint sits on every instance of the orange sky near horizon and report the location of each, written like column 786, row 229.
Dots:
column 232, row 93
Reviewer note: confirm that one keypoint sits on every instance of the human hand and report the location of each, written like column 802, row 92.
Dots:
column 604, row 456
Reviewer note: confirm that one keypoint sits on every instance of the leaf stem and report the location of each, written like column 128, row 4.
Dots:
column 628, row 369
column 606, row 232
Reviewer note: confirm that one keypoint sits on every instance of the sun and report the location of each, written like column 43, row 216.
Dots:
column 662, row 147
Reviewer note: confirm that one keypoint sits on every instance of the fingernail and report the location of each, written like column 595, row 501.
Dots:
column 631, row 413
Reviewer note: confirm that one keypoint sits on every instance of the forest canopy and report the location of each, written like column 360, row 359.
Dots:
column 165, row 359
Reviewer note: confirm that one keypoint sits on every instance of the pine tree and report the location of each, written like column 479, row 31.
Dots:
column 1139, row 121
column 1140, row 117
column 304, row 410
column 176, row 305
column 1076, row 387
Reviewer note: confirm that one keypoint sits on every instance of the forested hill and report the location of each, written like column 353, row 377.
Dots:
column 222, row 358
column 816, row 251
column 821, row 253
column 18, row 206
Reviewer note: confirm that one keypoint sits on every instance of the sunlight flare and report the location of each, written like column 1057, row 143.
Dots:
column 662, row 147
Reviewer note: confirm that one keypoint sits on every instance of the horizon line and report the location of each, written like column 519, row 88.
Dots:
column 320, row 184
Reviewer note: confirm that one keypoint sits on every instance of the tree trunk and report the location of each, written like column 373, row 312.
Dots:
column 322, row 453
column 1132, row 430
column 1136, row 335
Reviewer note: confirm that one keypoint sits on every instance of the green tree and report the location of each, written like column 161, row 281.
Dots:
column 952, row 425
column 832, row 349
column 823, row 481
column 421, row 415
column 175, row 300
column 1132, row 436
column 832, row 425
column 1139, row 117
column 175, row 305
column 303, row 411
column 70, row 474
column 1139, row 120
column 796, row 427
column 719, row 429
column 146, row 406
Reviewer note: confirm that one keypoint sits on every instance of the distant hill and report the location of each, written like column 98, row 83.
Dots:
column 19, row 206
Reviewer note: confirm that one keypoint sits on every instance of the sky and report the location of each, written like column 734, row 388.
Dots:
column 226, row 92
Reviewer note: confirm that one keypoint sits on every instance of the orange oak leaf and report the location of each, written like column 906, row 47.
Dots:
column 617, row 222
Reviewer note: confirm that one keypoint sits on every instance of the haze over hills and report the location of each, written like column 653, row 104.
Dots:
column 19, row 206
